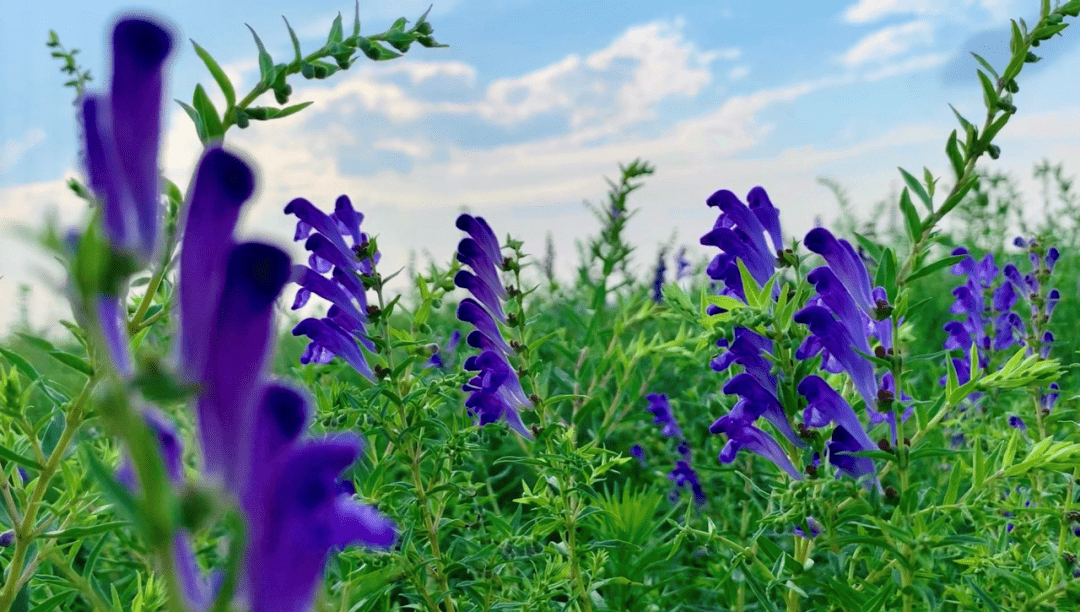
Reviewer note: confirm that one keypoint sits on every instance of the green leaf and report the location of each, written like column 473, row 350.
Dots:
column 296, row 41
column 206, row 110
column 266, row 63
column 20, row 363
column 964, row 123
column 356, row 20
column 200, row 128
column 336, row 32
column 219, row 76
column 911, row 217
column 917, row 188
column 266, row 113
column 952, row 149
column 12, row 456
column 954, row 483
column 986, row 65
column 937, row 265
column 995, row 127
column 73, row 361
column 116, row 492
column 873, row 248
column 83, row 532
column 952, row 201
column 886, row 273
column 34, row 341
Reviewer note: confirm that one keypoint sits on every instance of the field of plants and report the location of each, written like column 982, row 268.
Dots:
column 877, row 415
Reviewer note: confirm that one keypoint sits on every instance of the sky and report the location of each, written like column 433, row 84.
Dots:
column 535, row 102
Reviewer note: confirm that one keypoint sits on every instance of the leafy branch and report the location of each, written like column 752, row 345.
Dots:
column 211, row 125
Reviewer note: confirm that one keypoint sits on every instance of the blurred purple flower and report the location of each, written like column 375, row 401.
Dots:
column 661, row 410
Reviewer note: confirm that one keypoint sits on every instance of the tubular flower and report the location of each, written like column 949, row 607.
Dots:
column 251, row 429
column 339, row 248
column 495, row 392
column 121, row 136
column 740, row 233
column 846, row 318
column 826, row 406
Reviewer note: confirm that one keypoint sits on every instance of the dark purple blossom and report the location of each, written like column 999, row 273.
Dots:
column 338, row 247
column 684, row 476
column 122, row 132
column 658, row 279
column 638, row 453
column 495, row 392
column 812, row 526
column 251, row 430
column 661, row 410
column 744, row 435
column 7, row 538
column 831, row 335
column 1016, row 422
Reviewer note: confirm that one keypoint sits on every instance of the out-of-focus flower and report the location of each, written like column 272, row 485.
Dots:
column 658, row 278
column 661, row 410
column 813, row 529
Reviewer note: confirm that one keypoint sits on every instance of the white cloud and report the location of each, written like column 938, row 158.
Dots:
column 416, row 149
column 14, row 149
column 888, row 42
column 913, row 64
column 738, row 72
column 868, row 11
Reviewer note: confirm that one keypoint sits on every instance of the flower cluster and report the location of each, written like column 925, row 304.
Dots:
column 495, row 392
column 739, row 233
column 988, row 304
column 250, row 427
column 339, row 248
column 683, row 475
column 844, row 317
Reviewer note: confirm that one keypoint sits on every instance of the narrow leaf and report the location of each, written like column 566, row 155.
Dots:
column 219, row 75
column 73, row 361
column 917, row 188
column 911, row 217
column 937, row 265
column 200, row 129
column 952, row 149
column 12, row 456
column 20, row 363
column 296, row 41
column 209, row 115
column 266, row 63
column 986, row 65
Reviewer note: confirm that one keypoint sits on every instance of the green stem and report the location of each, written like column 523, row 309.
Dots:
column 24, row 529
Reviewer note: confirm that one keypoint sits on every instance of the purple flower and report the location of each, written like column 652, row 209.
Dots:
column 1016, row 422
column 301, row 516
column 756, row 401
column 638, row 453
column 7, row 538
column 845, row 263
column 337, row 246
column 438, row 358
column 658, row 280
column 661, row 409
column 744, row 435
column 739, row 233
column 812, row 526
column 826, row 406
column 684, row 476
column 831, row 335
column 251, row 431
column 683, row 265
column 495, row 392
column 122, row 134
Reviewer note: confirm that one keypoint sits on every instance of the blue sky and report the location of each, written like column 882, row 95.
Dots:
column 536, row 100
